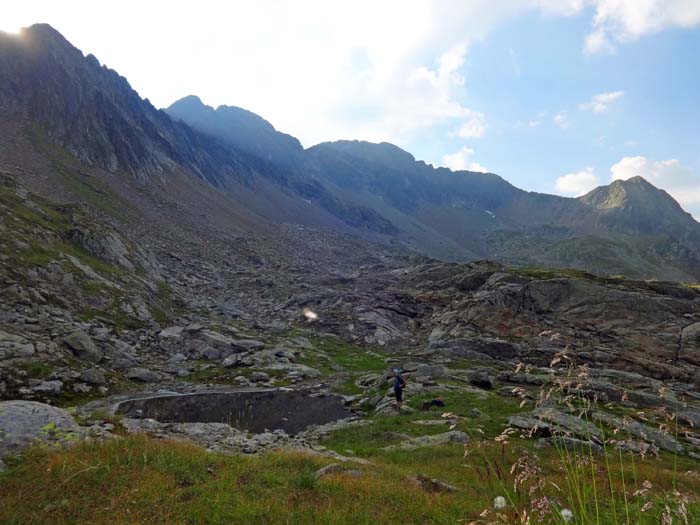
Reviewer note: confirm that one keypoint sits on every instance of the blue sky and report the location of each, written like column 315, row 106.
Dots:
column 554, row 95
column 528, row 71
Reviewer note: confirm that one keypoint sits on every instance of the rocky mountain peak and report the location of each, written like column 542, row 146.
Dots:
column 633, row 192
column 636, row 206
column 360, row 187
column 382, row 153
column 45, row 34
column 240, row 128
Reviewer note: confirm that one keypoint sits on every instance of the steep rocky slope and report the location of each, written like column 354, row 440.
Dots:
column 473, row 215
column 245, row 130
column 466, row 215
column 176, row 269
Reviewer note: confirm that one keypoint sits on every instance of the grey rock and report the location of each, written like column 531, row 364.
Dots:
column 277, row 327
column 23, row 423
column 453, row 436
column 121, row 363
column 298, row 370
column 25, row 350
column 480, row 378
column 215, row 340
column 569, row 423
column 259, row 377
column 475, row 413
column 92, row 376
column 171, row 332
column 177, row 358
column 535, row 427
column 432, row 484
column 641, row 431
column 248, row 345
column 284, row 353
column 143, row 374
column 83, row 347
column 580, row 446
column 301, row 342
column 520, row 378
column 235, row 360
column 48, row 387
column 333, row 468
column 425, row 372
column 198, row 349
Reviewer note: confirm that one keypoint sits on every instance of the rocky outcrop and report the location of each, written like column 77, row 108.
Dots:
column 83, row 347
column 25, row 423
column 453, row 436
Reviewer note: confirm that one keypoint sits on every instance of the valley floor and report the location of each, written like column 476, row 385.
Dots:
column 436, row 465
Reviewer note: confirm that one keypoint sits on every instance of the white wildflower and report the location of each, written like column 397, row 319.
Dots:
column 499, row 502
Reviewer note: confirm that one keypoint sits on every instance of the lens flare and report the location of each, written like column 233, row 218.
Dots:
column 11, row 24
column 310, row 314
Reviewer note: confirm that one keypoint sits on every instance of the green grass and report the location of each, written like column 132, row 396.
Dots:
column 112, row 317
column 369, row 440
column 139, row 480
column 344, row 356
column 36, row 369
column 347, row 386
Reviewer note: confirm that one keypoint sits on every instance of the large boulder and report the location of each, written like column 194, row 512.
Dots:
column 93, row 376
column 12, row 345
column 83, row 347
column 24, row 423
column 48, row 387
column 479, row 377
column 143, row 374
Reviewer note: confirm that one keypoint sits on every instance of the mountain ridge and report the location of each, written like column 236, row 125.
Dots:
column 378, row 192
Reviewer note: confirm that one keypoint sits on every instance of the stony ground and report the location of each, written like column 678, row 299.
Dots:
column 551, row 360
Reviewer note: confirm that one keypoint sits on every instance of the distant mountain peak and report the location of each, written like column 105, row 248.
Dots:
column 637, row 179
column 638, row 207
column 189, row 101
column 238, row 127
column 635, row 191
column 47, row 35
column 379, row 152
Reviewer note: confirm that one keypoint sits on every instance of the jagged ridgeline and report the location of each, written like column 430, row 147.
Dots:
column 375, row 191
column 192, row 273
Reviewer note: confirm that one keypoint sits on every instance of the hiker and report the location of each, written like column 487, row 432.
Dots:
column 399, row 385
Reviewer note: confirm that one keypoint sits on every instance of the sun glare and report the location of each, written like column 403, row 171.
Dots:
column 13, row 30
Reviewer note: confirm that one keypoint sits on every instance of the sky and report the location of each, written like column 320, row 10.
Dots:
column 556, row 96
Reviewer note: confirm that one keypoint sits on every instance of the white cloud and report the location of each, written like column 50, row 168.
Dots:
column 620, row 21
column 680, row 181
column 515, row 67
column 561, row 119
column 561, row 7
column 474, row 127
column 461, row 160
column 475, row 166
column 323, row 70
column 597, row 42
column 577, row 183
column 601, row 103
